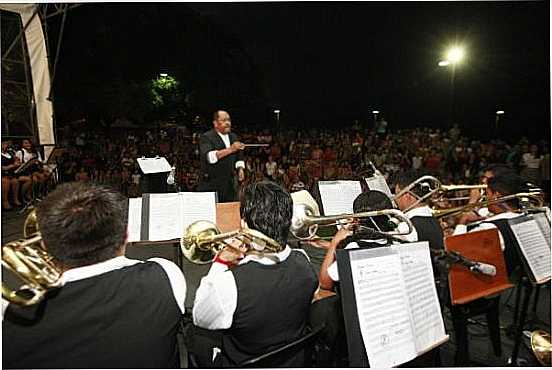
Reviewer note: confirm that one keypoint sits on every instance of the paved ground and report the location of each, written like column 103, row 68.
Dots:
column 481, row 353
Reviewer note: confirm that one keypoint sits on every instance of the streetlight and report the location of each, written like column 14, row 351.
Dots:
column 163, row 75
column 277, row 112
column 453, row 56
column 497, row 118
column 375, row 113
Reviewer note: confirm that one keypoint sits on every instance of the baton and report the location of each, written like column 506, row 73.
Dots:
column 255, row 145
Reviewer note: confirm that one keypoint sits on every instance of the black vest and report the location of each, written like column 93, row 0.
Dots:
column 272, row 309
column 126, row 318
column 512, row 251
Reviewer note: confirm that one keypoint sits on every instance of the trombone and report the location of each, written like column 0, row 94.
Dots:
column 305, row 224
column 28, row 260
column 527, row 201
column 432, row 187
column 202, row 240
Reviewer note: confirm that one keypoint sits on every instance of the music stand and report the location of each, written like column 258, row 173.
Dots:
column 482, row 246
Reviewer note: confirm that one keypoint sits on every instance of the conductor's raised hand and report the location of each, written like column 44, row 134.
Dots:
column 237, row 145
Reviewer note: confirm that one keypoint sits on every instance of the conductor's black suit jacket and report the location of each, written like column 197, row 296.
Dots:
column 220, row 176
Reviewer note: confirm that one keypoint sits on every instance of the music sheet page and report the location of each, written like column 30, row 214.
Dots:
column 382, row 306
column 197, row 206
column 154, row 165
column 165, row 218
column 134, row 219
column 378, row 183
column 544, row 224
column 338, row 196
column 534, row 248
column 427, row 319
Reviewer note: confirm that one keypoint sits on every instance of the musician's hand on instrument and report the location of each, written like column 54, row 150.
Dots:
column 236, row 145
column 469, row 217
column 341, row 234
column 319, row 243
column 233, row 253
column 475, row 196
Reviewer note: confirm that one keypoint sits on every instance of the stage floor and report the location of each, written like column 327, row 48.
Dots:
column 481, row 353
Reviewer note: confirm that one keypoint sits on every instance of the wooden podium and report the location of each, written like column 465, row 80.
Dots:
column 228, row 216
column 481, row 246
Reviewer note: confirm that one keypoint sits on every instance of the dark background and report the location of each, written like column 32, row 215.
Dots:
column 321, row 64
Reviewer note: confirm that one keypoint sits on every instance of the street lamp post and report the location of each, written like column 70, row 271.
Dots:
column 497, row 119
column 375, row 113
column 277, row 112
column 454, row 56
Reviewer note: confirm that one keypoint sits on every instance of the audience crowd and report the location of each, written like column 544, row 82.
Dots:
column 297, row 158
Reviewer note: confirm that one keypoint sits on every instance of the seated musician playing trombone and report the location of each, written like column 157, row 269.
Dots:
column 503, row 184
column 372, row 200
column 259, row 296
column 110, row 311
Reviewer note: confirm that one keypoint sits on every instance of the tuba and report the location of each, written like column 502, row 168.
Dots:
column 304, row 223
column 202, row 240
column 28, row 260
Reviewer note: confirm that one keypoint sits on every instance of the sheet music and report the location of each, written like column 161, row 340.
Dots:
column 382, row 306
column 338, row 196
column 165, row 217
column 378, row 183
column 534, row 247
column 134, row 219
column 544, row 225
column 427, row 319
column 154, row 165
column 196, row 206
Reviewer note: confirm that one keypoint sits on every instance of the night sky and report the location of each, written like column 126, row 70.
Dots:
column 320, row 63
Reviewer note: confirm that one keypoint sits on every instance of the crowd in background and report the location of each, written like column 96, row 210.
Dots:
column 296, row 158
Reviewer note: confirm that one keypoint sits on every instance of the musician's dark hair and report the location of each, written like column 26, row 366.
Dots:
column 506, row 183
column 499, row 169
column 82, row 224
column 373, row 200
column 216, row 114
column 405, row 178
column 268, row 208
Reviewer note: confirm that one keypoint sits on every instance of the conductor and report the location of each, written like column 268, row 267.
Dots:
column 220, row 157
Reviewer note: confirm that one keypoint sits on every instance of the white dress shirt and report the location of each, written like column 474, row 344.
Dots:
column 212, row 155
column 217, row 296
column 486, row 225
column 176, row 278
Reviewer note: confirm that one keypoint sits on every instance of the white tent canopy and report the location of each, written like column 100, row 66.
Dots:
column 36, row 46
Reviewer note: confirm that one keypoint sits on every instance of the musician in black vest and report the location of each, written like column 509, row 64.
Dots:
column 256, row 302
column 506, row 183
column 111, row 312
column 220, row 157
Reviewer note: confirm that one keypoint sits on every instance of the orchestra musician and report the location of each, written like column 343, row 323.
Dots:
column 11, row 181
column 220, row 157
column 250, row 302
column 112, row 311
column 505, row 183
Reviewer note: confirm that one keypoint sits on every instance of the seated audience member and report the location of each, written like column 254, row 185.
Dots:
column 261, row 300
column 11, row 181
column 111, row 312
column 36, row 170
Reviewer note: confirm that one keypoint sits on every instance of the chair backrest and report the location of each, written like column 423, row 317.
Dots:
column 279, row 355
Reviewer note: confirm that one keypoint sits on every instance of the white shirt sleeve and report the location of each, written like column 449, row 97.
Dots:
column 212, row 157
column 216, row 299
column 462, row 229
column 240, row 164
column 333, row 272
column 411, row 237
column 19, row 154
column 176, row 278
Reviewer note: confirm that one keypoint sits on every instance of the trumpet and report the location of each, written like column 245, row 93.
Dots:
column 305, row 224
column 202, row 240
column 28, row 260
